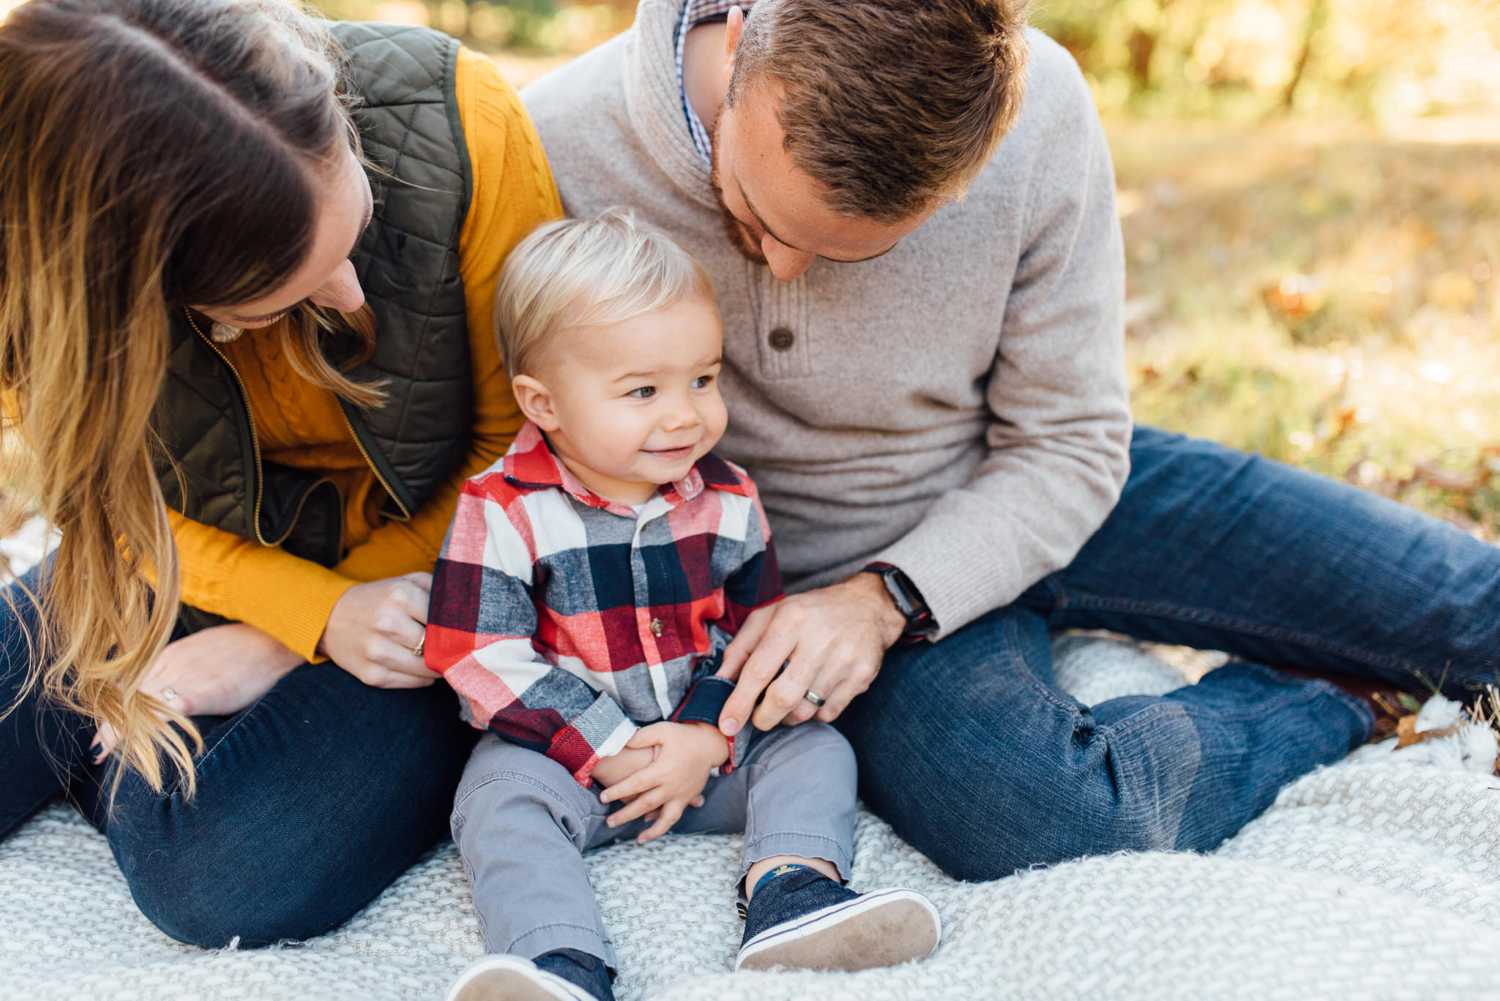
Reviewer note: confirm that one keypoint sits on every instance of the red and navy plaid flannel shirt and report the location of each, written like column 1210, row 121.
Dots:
column 563, row 620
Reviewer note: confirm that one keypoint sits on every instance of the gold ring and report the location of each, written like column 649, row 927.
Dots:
column 416, row 651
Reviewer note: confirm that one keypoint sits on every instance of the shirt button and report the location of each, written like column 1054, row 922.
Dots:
column 782, row 339
column 656, row 627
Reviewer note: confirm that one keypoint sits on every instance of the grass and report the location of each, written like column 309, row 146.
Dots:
column 1325, row 296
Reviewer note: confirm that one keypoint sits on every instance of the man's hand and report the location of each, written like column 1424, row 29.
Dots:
column 685, row 754
column 831, row 641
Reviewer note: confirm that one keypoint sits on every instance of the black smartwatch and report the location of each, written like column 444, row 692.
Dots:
column 908, row 601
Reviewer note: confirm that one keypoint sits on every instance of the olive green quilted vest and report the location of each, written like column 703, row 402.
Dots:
column 407, row 262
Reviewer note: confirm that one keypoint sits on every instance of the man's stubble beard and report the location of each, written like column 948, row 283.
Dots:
column 739, row 238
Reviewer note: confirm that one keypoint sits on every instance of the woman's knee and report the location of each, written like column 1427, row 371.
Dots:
column 232, row 868
column 214, row 906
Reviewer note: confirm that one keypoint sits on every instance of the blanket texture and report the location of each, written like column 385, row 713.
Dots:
column 1378, row 877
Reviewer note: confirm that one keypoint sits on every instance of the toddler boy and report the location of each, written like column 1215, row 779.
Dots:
column 587, row 589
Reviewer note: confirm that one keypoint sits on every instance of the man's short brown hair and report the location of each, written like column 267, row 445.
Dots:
column 889, row 104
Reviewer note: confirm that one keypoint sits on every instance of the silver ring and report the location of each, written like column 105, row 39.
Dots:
column 416, row 651
column 814, row 698
column 169, row 694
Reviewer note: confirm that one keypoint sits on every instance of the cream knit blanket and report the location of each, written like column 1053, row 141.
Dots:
column 1375, row 878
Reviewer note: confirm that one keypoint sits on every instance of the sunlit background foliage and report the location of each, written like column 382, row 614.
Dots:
column 1310, row 191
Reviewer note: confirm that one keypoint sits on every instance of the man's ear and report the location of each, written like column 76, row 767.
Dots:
column 733, row 29
column 536, row 402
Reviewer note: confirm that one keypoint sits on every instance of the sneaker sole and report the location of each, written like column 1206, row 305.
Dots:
column 881, row 928
column 504, row 978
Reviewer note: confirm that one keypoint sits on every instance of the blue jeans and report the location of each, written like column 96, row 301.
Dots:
column 968, row 749
column 309, row 803
column 312, row 800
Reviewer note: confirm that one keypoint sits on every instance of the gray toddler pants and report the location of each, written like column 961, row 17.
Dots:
column 522, row 824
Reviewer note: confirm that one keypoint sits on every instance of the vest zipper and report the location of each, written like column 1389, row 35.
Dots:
column 259, row 473
column 250, row 420
column 255, row 446
column 291, row 524
column 405, row 514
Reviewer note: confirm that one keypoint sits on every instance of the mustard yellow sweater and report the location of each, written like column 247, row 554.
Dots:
column 301, row 425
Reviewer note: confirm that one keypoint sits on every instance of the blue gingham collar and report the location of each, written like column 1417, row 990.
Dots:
column 694, row 13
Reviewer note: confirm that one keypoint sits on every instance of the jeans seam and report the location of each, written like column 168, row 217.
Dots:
column 842, row 857
column 1013, row 642
column 201, row 764
column 1163, row 610
column 560, row 924
column 1303, row 692
column 1127, row 727
column 792, row 834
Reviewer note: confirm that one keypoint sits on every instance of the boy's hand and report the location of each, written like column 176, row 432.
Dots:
column 621, row 765
column 685, row 754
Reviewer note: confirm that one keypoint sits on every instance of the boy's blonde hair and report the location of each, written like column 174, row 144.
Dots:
column 587, row 273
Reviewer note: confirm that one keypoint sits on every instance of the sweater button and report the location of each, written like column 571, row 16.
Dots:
column 782, row 339
column 656, row 627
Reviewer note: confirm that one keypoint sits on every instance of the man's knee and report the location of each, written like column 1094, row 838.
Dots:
column 988, row 817
column 1050, row 830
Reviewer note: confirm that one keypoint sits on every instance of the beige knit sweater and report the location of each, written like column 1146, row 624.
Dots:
column 957, row 407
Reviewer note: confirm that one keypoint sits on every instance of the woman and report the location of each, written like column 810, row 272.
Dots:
column 246, row 269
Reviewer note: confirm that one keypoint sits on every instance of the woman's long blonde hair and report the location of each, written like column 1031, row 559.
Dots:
column 154, row 155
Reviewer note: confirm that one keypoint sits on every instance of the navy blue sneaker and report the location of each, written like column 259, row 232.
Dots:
column 803, row 920
column 515, row 978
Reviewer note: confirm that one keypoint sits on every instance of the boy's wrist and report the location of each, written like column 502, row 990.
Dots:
column 716, row 748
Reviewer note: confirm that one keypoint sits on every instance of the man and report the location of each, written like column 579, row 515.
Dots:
column 908, row 212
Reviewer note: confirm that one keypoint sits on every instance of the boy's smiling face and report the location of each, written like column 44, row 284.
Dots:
column 632, row 405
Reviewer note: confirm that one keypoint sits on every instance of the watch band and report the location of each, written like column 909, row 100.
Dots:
column 907, row 599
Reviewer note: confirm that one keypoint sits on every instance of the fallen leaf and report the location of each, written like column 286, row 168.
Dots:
column 1295, row 297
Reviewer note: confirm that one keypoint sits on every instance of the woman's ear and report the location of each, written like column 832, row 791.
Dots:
column 536, row 402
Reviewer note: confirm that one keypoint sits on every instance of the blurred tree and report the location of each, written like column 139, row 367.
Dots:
column 1269, row 56
column 1225, row 58
column 1316, row 18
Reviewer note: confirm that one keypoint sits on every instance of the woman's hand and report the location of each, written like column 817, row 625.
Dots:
column 375, row 632
column 215, row 672
column 685, row 755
